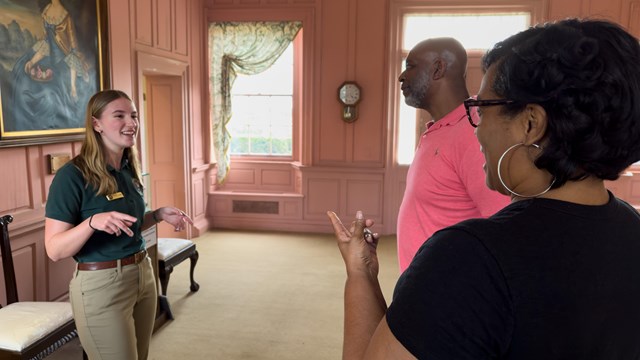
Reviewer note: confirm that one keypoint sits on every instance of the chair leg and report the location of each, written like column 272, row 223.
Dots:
column 164, row 280
column 165, row 307
column 194, row 260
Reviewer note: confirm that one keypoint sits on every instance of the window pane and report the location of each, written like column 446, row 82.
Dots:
column 406, row 133
column 270, row 81
column 262, row 119
column 464, row 27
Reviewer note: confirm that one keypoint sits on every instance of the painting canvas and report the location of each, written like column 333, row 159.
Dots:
column 52, row 61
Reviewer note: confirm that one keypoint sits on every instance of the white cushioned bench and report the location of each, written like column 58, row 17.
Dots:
column 171, row 252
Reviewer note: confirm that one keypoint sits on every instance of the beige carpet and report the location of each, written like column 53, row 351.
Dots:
column 262, row 296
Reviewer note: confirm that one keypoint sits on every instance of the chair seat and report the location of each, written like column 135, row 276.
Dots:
column 28, row 322
column 167, row 247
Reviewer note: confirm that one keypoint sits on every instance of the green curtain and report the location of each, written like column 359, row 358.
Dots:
column 246, row 48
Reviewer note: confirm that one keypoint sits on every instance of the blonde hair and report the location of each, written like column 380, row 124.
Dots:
column 92, row 161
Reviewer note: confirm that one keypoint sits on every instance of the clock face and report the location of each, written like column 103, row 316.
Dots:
column 349, row 93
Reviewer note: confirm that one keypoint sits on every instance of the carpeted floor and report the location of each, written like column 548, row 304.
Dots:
column 262, row 296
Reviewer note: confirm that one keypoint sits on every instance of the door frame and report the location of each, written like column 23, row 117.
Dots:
column 150, row 65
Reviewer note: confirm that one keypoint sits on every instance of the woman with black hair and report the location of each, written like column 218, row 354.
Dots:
column 555, row 274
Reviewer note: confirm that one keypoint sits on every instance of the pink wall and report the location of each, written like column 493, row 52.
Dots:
column 342, row 167
column 346, row 167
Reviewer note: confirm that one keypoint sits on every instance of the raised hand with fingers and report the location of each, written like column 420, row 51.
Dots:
column 174, row 216
column 357, row 243
column 112, row 222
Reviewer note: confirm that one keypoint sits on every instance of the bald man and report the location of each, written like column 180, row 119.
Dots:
column 446, row 181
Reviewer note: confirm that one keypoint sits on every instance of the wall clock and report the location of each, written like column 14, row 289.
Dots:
column 349, row 94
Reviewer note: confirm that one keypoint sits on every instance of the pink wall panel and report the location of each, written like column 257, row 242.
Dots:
column 343, row 192
column 181, row 28
column 633, row 21
column 563, row 9
column 25, row 267
column 634, row 191
column 353, row 48
column 369, row 59
column 276, row 177
column 199, row 194
column 291, row 208
column 198, row 96
column 608, row 10
column 366, row 196
column 163, row 25
column 323, row 195
column 58, row 275
column 220, row 206
column 120, row 46
column 332, row 137
column 143, row 25
column 242, row 176
column 474, row 72
column 14, row 180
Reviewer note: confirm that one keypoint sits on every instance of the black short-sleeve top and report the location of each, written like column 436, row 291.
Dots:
column 541, row 279
column 72, row 201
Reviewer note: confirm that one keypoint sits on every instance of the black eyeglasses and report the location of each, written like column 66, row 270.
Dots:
column 471, row 102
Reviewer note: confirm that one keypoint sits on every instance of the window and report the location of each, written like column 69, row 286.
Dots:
column 251, row 48
column 262, row 120
column 474, row 31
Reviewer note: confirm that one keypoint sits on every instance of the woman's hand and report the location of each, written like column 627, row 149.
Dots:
column 112, row 222
column 176, row 217
column 357, row 245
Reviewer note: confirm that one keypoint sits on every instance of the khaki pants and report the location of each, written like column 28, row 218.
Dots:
column 115, row 310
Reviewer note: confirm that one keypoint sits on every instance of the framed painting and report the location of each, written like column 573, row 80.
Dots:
column 54, row 57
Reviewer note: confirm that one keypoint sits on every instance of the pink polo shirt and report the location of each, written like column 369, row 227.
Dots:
column 445, row 184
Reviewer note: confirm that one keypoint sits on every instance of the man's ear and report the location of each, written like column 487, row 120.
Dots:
column 439, row 67
column 534, row 123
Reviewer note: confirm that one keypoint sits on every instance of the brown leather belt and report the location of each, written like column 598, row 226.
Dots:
column 100, row 265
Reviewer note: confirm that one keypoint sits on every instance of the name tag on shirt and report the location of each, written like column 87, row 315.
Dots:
column 115, row 196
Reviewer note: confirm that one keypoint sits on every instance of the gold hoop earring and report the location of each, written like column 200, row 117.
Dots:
column 505, row 185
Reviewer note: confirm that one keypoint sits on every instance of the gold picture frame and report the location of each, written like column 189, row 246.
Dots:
column 57, row 59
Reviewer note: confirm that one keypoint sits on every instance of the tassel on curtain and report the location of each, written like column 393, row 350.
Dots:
column 246, row 48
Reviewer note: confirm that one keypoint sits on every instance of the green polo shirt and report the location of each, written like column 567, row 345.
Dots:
column 70, row 200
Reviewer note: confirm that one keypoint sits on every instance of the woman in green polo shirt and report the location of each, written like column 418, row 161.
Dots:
column 95, row 213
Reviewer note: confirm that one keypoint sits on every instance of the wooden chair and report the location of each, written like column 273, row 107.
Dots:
column 171, row 252
column 29, row 330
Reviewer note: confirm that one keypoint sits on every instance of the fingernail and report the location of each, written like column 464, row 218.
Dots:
column 359, row 215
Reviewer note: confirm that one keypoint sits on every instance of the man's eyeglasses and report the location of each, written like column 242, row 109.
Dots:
column 471, row 102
